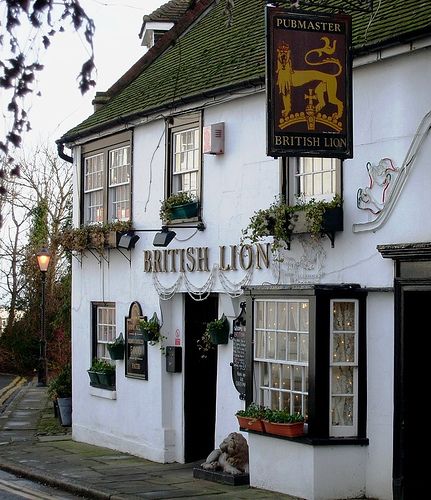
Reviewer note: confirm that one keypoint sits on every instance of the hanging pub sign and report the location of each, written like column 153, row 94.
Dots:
column 309, row 88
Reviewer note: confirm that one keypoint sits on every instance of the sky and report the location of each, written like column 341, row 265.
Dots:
column 117, row 47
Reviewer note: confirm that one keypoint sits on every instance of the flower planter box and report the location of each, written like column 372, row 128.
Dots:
column 94, row 377
column 289, row 430
column 116, row 351
column 106, row 380
column 250, row 424
column 112, row 238
column 186, row 211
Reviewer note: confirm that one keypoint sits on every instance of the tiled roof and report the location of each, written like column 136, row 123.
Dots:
column 168, row 12
column 211, row 57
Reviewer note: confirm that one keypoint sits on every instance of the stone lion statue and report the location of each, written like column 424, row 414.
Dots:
column 231, row 457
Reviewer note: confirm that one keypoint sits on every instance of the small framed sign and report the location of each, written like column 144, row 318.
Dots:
column 136, row 347
column 309, row 84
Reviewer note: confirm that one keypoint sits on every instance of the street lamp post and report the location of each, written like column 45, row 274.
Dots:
column 43, row 258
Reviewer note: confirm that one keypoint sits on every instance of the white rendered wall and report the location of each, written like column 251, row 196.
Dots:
column 146, row 418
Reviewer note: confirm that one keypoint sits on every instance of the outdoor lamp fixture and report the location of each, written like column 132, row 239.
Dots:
column 43, row 258
column 166, row 235
column 128, row 240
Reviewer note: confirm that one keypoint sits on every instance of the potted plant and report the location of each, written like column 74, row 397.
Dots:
column 320, row 216
column 284, row 423
column 151, row 333
column 281, row 221
column 150, row 328
column 93, row 372
column 277, row 221
column 181, row 205
column 102, row 374
column 60, row 389
column 216, row 332
column 251, row 419
column 116, row 348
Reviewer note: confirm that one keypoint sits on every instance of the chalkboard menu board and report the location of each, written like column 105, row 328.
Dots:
column 239, row 364
column 136, row 347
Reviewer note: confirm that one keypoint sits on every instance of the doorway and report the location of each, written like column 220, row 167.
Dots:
column 411, row 372
column 200, row 377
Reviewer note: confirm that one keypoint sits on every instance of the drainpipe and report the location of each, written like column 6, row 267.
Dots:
column 62, row 154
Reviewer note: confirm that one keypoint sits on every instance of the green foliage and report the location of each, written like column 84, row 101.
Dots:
column 283, row 417
column 151, row 330
column 61, row 385
column 253, row 411
column 19, row 348
column 279, row 220
column 90, row 236
column 102, row 366
column 174, row 200
column 119, row 341
column 213, row 330
column 276, row 221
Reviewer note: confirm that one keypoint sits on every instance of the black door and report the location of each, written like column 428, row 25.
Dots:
column 200, row 381
column 412, row 370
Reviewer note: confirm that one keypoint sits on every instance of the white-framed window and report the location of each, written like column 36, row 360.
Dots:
column 119, row 184
column 318, row 178
column 107, row 180
column 105, row 329
column 185, row 154
column 343, row 366
column 186, row 161
column 281, row 343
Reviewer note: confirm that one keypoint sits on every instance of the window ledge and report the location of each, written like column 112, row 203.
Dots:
column 328, row 441
column 178, row 222
column 103, row 393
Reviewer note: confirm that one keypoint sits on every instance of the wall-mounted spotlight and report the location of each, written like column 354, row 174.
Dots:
column 164, row 237
column 128, row 240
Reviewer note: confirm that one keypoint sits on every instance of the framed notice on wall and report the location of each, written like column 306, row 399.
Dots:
column 136, row 347
column 309, row 84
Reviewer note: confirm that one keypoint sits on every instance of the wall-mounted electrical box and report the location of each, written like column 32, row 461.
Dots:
column 174, row 358
column 213, row 139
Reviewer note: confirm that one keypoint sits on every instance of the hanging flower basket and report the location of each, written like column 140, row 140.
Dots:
column 219, row 331
column 150, row 329
column 116, row 348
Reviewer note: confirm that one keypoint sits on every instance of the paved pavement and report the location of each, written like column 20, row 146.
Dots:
column 91, row 471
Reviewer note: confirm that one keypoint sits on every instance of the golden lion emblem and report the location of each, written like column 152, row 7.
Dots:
column 288, row 77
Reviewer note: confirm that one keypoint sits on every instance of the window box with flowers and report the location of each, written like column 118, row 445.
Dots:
column 179, row 206
column 281, row 221
column 94, row 236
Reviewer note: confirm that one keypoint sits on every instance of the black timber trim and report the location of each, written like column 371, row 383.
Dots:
column 406, row 251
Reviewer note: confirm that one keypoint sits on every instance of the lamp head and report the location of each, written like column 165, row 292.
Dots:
column 164, row 237
column 43, row 258
column 128, row 240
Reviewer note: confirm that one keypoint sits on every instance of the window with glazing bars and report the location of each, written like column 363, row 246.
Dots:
column 105, row 330
column 281, row 340
column 343, row 367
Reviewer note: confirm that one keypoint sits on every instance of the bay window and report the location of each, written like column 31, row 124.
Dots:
column 307, row 354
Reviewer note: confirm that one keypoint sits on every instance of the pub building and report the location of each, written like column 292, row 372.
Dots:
column 245, row 109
